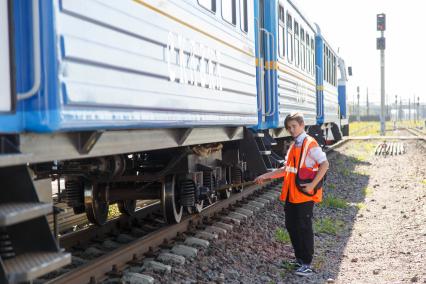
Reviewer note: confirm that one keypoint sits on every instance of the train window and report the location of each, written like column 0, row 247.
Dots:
column 308, row 54
column 208, row 4
column 243, row 15
column 229, row 11
column 334, row 70
column 289, row 22
column 313, row 56
column 328, row 66
column 324, row 60
column 330, row 58
column 302, row 49
column 296, row 43
column 281, row 32
column 290, row 42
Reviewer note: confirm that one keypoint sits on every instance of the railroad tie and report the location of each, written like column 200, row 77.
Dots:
column 243, row 211
column 133, row 277
column 197, row 242
column 227, row 227
column 206, row 235
column 157, row 266
column 251, row 207
column 171, row 258
column 390, row 148
column 216, row 230
column 185, row 251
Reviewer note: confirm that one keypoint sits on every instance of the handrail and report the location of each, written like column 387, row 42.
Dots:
column 268, row 57
column 320, row 104
column 36, row 54
column 274, row 99
column 259, row 68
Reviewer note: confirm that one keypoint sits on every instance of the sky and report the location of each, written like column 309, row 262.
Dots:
column 350, row 26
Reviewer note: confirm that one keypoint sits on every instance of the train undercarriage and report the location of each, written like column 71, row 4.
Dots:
column 184, row 180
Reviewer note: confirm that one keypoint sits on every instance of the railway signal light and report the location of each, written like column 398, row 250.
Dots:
column 381, row 22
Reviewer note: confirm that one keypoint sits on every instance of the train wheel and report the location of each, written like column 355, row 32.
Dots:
column 172, row 209
column 127, row 207
column 96, row 207
column 226, row 193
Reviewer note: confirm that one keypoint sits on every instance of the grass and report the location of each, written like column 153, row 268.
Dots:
column 345, row 172
column 331, row 201
column 367, row 191
column 331, row 186
column 328, row 226
column 367, row 128
column 288, row 267
column 319, row 262
column 282, row 235
column 424, row 181
column 360, row 206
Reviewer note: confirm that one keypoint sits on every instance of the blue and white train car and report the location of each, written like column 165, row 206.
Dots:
column 133, row 64
column 344, row 117
column 115, row 96
column 328, row 110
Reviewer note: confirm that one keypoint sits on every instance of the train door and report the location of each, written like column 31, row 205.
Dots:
column 6, row 75
column 266, row 62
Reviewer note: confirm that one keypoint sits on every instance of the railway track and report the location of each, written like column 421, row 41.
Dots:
column 114, row 262
column 416, row 132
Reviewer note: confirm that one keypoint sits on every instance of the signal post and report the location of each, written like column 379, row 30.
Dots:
column 381, row 45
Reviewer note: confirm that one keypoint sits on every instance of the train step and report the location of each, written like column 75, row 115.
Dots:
column 29, row 266
column 14, row 212
column 28, row 248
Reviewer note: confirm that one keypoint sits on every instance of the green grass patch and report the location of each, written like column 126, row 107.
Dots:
column 424, row 181
column 331, row 186
column 328, row 226
column 331, row 201
column 287, row 266
column 319, row 262
column 367, row 191
column 282, row 236
column 345, row 172
column 360, row 205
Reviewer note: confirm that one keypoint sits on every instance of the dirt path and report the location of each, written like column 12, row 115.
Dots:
column 388, row 239
column 383, row 235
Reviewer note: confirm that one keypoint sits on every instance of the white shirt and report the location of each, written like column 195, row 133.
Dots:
column 315, row 154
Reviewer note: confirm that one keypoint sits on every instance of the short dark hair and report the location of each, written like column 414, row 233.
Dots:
column 296, row 116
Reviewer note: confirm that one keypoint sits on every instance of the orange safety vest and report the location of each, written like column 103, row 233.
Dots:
column 289, row 185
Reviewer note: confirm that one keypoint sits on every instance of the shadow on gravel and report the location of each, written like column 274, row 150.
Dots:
column 344, row 194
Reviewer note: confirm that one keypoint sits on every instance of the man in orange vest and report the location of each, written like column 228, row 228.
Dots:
column 306, row 165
